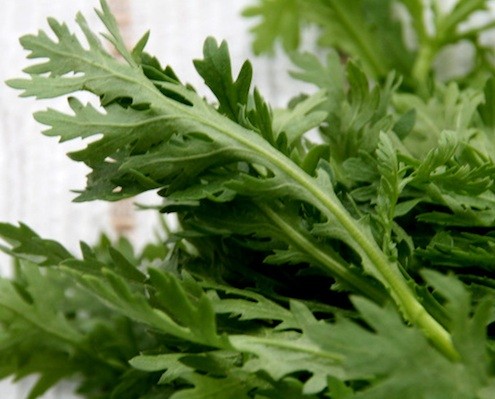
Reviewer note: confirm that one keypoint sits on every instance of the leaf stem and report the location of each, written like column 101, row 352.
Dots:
column 322, row 258
column 260, row 151
column 412, row 309
column 390, row 275
column 422, row 66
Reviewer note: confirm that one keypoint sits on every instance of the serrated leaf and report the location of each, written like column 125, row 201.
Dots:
column 125, row 267
column 28, row 245
column 216, row 71
column 169, row 362
column 328, row 76
column 305, row 116
column 378, row 359
column 208, row 159
column 39, row 308
column 464, row 250
column 249, row 305
column 280, row 20
column 195, row 314
column 229, row 387
column 280, row 356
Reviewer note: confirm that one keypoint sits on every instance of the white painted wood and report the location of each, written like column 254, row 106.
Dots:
column 35, row 175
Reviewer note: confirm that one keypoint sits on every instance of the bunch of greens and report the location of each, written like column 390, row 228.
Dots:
column 359, row 265
column 407, row 36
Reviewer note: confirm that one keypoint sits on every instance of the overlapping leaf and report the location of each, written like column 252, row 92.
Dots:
column 268, row 219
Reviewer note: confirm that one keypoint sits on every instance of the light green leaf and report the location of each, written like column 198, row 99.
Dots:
column 280, row 20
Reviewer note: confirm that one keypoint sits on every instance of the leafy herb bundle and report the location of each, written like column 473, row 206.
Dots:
column 359, row 266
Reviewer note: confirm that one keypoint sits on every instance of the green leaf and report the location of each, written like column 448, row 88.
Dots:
column 28, row 245
column 461, row 250
column 195, row 314
column 487, row 108
column 388, row 31
column 216, row 70
column 280, row 20
column 125, row 267
column 405, row 124
column 345, row 27
column 38, row 306
column 392, row 182
column 448, row 108
column 251, row 189
column 280, row 356
column 212, row 375
column 229, row 387
column 328, row 76
column 448, row 24
column 393, row 357
column 286, row 353
column 248, row 305
column 305, row 116
column 169, row 362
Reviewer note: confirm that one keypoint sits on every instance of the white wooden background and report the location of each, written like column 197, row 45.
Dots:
column 35, row 175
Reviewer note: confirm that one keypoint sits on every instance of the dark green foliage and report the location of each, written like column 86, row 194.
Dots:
column 356, row 265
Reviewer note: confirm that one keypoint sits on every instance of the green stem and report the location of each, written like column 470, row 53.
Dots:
column 390, row 275
column 470, row 34
column 412, row 309
column 422, row 67
column 256, row 148
column 322, row 257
